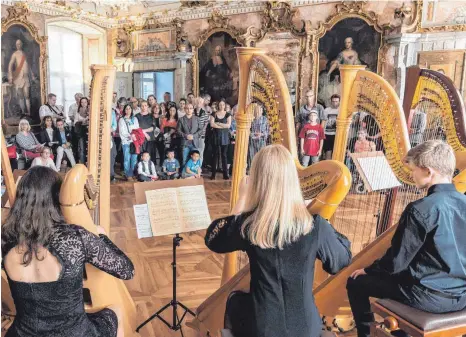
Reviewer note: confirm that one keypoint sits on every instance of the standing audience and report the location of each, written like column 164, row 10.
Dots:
column 330, row 125
column 220, row 123
column 127, row 124
column 189, row 130
column 311, row 139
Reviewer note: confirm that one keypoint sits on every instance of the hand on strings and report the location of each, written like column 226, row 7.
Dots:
column 357, row 273
column 100, row 230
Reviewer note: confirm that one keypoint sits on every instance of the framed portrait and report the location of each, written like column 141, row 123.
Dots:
column 350, row 41
column 218, row 67
column 23, row 73
column 284, row 48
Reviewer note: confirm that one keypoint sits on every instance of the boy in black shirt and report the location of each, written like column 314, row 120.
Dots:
column 425, row 267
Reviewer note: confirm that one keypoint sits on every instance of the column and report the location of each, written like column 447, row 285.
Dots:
column 180, row 75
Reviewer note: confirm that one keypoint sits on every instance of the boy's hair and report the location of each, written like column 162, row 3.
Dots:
column 434, row 154
column 144, row 152
column 194, row 151
column 335, row 96
column 313, row 111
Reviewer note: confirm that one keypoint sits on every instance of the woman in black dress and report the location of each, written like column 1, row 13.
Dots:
column 271, row 224
column 220, row 122
column 44, row 259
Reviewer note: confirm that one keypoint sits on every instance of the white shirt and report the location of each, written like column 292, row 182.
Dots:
column 72, row 111
column 145, row 168
column 39, row 162
column 125, row 129
column 57, row 112
column 50, row 133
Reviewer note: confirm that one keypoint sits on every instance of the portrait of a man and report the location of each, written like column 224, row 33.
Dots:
column 20, row 75
column 218, row 66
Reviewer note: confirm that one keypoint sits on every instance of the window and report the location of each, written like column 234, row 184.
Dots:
column 65, row 64
column 157, row 83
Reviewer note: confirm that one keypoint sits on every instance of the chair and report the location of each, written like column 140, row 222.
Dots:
column 416, row 323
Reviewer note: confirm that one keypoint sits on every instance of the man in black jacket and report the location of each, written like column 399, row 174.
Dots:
column 425, row 267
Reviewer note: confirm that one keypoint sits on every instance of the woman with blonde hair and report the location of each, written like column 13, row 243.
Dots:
column 271, row 223
column 27, row 141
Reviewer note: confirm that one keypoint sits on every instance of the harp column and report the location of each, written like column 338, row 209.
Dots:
column 243, row 126
column 348, row 75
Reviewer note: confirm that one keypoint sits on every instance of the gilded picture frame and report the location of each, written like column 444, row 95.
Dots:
column 16, row 26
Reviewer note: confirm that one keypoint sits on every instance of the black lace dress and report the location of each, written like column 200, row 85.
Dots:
column 56, row 309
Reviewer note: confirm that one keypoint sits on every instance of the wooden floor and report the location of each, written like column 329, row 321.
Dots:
column 198, row 269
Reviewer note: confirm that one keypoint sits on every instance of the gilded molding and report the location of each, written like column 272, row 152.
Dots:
column 278, row 17
column 17, row 15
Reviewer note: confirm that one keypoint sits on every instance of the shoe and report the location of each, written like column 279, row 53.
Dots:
column 124, row 178
column 212, row 177
column 227, row 177
column 112, row 180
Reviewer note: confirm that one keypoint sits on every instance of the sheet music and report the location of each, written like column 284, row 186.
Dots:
column 193, row 204
column 378, row 172
column 141, row 215
column 164, row 215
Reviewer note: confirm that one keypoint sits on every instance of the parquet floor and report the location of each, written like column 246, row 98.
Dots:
column 198, row 269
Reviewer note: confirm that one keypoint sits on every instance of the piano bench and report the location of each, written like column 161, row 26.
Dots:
column 416, row 323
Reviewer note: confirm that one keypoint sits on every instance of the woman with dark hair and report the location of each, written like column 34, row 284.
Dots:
column 126, row 124
column 373, row 131
column 48, row 133
column 44, row 258
column 81, row 127
column 151, row 100
column 220, row 122
column 169, row 125
column 158, row 135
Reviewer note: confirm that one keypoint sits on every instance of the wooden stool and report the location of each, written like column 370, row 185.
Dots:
column 415, row 322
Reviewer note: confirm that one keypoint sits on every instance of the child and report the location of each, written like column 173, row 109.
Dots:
column 193, row 166
column 362, row 144
column 146, row 168
column 170, row 166
column 425, row 267
column 312, row 139
column 44, row 159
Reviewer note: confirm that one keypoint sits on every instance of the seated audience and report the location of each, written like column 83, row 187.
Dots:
column 44, row 259
column 51, row 108
column 126, row 125
column 64, row 145
column 146, row 168
column 192, row 169
column 425, row 267
column 171, row 166
column 362, row 144
column 283, row 241
column 44, row 159
column 312, row 139
column 27, row 141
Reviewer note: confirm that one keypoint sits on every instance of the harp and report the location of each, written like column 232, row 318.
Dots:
column 325, row 183
column 433, row 96
column 85, row 197
column 371, row 230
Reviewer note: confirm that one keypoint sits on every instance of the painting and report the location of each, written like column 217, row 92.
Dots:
column 350, row 41
column 21, row 80
column 219, row 71
column 284, row 48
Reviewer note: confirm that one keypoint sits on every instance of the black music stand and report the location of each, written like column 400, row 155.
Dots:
column 176, row 325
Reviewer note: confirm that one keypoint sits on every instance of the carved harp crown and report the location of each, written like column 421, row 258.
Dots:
column 325, row 183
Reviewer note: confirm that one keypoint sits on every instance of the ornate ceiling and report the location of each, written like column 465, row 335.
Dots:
column 114, row 13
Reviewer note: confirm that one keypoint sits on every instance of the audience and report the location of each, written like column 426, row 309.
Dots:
column 189, row 131
column 73, row 109
column 190, row 99
column 220, row 122
column 312, row 139
column 259, row 133
column 48, row 134
column 362, row 144
column 146, row 168
column 192, row 169
column 126, row 125
column 283, row 241
column 27, row 141
column 170, row 166
column 146, row 123
column 329, row 123
column 169, row 127
column 51, row 109
column 151, row 100
column 135, row 105
column 44, row 159
column 182, row 108
column 203, row 122
column 301, row 116
column 81, row 127
column 64, row 144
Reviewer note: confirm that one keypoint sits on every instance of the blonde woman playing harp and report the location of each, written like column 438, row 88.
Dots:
column 271, row 223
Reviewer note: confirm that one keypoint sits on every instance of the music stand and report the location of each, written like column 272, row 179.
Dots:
column 174, row 303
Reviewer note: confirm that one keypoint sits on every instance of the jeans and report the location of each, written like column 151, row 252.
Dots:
column 82, row 150
column 386, row 286
column 142, row 177
column 69, row 155
column 129, row 160
column 201, row 148
column 186, row 150
column 305, row 160
column 113, row 154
